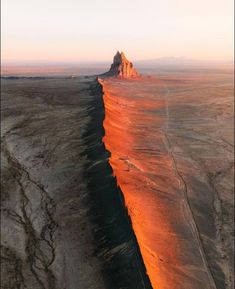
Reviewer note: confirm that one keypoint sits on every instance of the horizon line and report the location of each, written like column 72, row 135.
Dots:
column 74, row 62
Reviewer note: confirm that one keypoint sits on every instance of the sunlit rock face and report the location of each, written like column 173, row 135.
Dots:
column 121, row 67
column 171, row 152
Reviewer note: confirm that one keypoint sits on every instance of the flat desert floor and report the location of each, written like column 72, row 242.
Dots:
column 128, row 185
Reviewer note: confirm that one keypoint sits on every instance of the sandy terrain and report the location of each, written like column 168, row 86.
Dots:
column 171, row 144
column 63, row 222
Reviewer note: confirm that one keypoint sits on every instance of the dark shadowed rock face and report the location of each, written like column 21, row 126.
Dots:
column 63, row 223
column 121, row 67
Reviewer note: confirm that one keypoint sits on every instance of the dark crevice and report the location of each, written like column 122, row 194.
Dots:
column 116, row 244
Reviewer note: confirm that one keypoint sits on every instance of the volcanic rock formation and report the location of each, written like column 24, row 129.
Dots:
column 121, row 67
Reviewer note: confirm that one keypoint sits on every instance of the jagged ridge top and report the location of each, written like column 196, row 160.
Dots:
column 121, row 67
column 120, row 56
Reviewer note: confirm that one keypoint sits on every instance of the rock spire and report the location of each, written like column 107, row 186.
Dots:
column 121, row 67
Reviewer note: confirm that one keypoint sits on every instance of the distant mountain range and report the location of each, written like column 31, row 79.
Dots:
column 180, row 61
column 87, row 68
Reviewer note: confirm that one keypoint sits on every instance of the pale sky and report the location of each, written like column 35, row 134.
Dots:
column 93, row 30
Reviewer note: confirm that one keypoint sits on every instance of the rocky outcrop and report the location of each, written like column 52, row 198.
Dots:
column 121, row 67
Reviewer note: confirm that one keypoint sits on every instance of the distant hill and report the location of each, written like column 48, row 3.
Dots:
column 163, row 64
column 181, row 61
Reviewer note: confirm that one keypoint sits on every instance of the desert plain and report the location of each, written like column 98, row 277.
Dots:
column 115, row 183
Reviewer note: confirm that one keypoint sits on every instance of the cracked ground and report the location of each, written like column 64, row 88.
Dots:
column 63, row 224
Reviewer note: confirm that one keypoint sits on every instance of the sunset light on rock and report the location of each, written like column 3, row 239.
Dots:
column 117, row 144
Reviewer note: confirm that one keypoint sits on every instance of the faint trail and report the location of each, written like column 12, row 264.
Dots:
column 183, row 185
